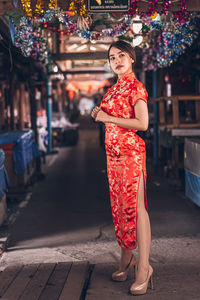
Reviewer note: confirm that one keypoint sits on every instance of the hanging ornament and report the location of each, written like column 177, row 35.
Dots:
column 60, row 14
column 39, row 8
column 152, row 7
column 133, row 7
column 26, row 5
column 182, row 14
column 69, row 13
column 166, row 4
column 53, row 4
column 82, row 23
column 78, row 7
column 171, row 40
column 154, row 15
column 31, row 43
column 83, row 31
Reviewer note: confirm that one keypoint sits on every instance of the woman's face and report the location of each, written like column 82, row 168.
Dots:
column 120, row 62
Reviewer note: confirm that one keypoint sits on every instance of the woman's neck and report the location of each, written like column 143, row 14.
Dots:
column 124, row 74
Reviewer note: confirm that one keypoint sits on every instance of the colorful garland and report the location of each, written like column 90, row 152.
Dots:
column 31, row 43
column 182, row 14
column 72, row 27
column 153, row 4
column 170, row 42
column 133, row 8
column 78, row 7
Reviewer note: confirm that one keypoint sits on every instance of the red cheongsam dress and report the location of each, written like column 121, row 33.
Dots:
column 126, row 158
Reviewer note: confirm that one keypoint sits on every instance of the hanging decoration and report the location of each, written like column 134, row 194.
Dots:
column 166, row 4
column 78, row 7
column 39, row 8
column 133, row 8
column 26, row 5
column 170, row 42
column 63, row 18
column 152, row 9
column 162, row 41
column 72, row 27
column 53, row 4
column 60, row 15
column 31, row 43
column 182, row 14
column 23, row 37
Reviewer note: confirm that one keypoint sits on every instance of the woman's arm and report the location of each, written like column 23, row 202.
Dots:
column 140, row 122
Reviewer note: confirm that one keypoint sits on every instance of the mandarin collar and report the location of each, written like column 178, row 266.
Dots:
column 127, row 77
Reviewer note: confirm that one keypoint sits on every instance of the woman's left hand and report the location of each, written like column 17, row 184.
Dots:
column 102, row 117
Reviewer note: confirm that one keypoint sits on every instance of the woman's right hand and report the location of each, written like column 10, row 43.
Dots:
column 95, row 112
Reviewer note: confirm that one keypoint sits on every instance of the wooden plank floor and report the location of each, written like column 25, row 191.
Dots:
column 50, row 281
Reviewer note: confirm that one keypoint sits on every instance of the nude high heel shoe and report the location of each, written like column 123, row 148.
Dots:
column 122, row 275
column 141, row 288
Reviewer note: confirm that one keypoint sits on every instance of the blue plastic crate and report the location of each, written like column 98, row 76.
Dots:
column 25, row 149
column 192, row 187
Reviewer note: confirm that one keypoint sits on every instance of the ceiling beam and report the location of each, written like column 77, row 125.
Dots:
column 85, row 71
column 75, row 72
column 80, row 56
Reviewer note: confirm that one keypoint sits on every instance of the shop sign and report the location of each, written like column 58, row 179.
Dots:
column 108, row 5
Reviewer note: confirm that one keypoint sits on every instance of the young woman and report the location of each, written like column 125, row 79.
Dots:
column 124, row 111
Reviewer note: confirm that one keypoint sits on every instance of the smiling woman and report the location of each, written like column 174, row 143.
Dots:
column 124, row 112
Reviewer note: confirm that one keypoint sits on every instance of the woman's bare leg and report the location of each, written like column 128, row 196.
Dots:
column 125, row 259
column 143, row 235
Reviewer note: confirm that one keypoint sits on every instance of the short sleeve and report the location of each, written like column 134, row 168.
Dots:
column 139, row 92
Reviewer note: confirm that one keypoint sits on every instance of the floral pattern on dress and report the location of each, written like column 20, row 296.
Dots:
column 126, row 158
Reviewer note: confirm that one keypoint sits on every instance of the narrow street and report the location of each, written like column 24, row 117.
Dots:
column 70, row 69
column 68, row 219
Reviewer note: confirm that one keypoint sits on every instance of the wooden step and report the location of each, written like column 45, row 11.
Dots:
column 48, row 281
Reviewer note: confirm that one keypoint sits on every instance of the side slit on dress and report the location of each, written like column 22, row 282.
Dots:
column 145, row 195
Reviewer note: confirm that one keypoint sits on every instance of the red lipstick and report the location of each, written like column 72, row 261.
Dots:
column 119, row 66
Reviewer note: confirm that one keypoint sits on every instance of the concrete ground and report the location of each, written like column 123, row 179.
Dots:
column 68, row 218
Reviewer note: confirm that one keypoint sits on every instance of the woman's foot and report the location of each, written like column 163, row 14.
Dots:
column 126, row 256
column 122, row 273
column 140, row 288
column 141, row 272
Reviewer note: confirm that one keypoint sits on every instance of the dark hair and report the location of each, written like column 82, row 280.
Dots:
column 125, row 47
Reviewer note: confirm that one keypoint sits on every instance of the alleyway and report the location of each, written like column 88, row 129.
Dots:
column 68, row 219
